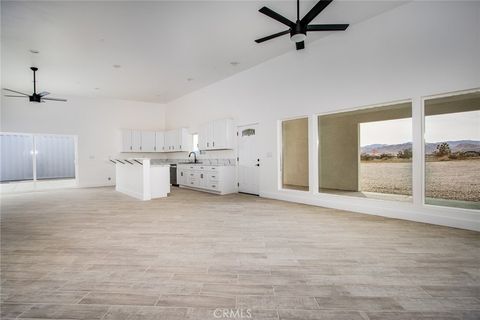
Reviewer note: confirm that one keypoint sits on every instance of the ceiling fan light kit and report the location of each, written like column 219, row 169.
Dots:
column 34, row 97
column 298, row 30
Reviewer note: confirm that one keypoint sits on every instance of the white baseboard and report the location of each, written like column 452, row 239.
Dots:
column 450, row 217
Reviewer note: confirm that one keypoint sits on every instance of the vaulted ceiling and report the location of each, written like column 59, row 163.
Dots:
column 149, row 51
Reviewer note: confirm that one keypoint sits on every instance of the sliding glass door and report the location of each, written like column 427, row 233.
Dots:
column 27, row 157
column 16, row 157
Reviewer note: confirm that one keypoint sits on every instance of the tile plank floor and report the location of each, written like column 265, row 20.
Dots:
column 98, row 254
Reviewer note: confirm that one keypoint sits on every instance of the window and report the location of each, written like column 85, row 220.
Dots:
column 295, row 154
column 452, row 151
column 55, row 157
column 16, row 157
column 367, row 152
column 36, row 157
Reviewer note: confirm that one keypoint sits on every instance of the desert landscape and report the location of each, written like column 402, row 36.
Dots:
column 453, row 180
column 452, row 170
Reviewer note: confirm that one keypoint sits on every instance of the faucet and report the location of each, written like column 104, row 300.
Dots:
column 194, row 156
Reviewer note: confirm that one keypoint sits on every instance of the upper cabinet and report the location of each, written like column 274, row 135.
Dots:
column 137, row 141
column 216, row 135
column 177, row 140
column 148, row 141
column 160, row 141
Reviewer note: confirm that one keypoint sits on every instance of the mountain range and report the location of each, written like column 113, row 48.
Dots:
column 455, row 146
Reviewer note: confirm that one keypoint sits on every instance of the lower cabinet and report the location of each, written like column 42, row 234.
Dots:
column 217, row 179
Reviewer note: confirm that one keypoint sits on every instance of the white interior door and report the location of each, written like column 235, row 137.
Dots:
column 248, row 159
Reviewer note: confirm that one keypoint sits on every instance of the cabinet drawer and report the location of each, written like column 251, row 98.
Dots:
column 212, row 177
column 213, row 186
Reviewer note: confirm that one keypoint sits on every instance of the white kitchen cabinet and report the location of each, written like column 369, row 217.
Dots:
column 202, row 137
column 127, row 142
column 178, row 140
column 214, row 179
column 216, row 135
column 148, row 141
column 137, row 141
column 159, row 141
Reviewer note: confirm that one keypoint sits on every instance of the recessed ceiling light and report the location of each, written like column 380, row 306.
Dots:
column 234, row 63
column 189, row 79
column 34, row 51
column 116, row 66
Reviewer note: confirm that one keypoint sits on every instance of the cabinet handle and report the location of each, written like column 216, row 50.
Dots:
column 155, row 148
column 140, row 147
column 180, row 147
column 214, row 143
column 181, row 174
column 201, row 175
column 208, row 145
column 130, row 147
column 213, row 186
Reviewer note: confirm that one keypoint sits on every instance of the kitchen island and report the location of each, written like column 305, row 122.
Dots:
column 139, row 178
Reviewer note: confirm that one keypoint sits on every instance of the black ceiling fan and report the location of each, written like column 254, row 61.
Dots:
column 298, row 30
column 35, row 97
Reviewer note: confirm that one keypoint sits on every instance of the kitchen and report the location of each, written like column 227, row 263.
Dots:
column 138, row 177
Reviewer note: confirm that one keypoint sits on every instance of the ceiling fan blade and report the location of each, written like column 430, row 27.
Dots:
column 300, row 45
column 43, row 94
column 272, row 14
column 15, row 91
column 12, row 96
column 322, row 4
column 272, row 36
column 55, row 99
column 327, row 27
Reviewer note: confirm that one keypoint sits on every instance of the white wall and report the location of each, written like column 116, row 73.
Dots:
column 418, row 49
column 96, row 122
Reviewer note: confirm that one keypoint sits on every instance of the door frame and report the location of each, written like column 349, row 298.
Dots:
column 237, row 152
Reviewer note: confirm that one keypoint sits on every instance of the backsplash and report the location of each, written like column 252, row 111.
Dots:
column 223, row 162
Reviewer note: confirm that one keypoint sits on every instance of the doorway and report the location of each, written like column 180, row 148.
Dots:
column 248, row 159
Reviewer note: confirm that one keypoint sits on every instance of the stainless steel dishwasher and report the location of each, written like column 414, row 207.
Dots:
column 173, row 174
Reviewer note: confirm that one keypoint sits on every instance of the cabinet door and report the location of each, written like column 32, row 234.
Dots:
column 202, row 137
column 148, row 141
column 137, row 141
column 168, row 141
column 219, row 134
column 210, row 135
column 182, row 176
column 127, row 145
column 159, row 141
column 172, row 140
column 202, row 179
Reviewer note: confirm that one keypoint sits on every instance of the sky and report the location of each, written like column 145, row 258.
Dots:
column 438, row 128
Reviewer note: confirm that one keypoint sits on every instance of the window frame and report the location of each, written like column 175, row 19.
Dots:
column 423, row 100
column 280, row 155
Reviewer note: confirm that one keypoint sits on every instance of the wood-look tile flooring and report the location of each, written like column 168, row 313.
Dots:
column 98, row 254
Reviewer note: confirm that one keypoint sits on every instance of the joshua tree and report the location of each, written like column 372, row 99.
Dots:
column 443, row 149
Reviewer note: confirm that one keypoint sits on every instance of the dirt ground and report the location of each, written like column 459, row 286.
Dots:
column 453, row 180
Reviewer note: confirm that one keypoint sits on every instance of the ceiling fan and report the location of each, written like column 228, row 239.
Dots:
column 35, row 97
column 298, row 30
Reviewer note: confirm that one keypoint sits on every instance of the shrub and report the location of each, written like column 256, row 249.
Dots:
column 405, row 154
